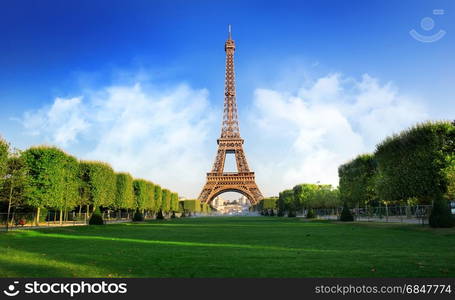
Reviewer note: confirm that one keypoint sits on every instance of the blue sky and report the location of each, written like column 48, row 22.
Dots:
column 317, row 52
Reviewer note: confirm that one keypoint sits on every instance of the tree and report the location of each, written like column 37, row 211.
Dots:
column 150, row 203
column 450, row 175
column 71, row 196
column 346, row 215
column 440, row 214
column 15, row 184
column 174, row 203
column 357, row 181
column 100, row 179
column 412, row 163
column 205, row 208
column 158, row 197
column 166, row 201
column 287, row 203
column 4, row 151
column 124, row 195
column 140, row 193
column 46, row 176
column 267, row 205
column 192, row 206
column 302, row 194
column 324, row 196
column 416, row 163
column 96, row 218
column 85, row 195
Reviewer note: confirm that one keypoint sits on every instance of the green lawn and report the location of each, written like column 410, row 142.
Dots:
column 230, row 247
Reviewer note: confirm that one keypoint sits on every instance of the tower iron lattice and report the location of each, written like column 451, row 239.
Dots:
column 242, row 181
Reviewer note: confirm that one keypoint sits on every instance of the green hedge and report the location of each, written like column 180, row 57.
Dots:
column 175, row 202
column 417, row 165
column 267, row 204
column 414, row 163
column 158, row 195
column 307, row 196
column 140, row 194
column 52, row 177
column 357, row 181
column 46, row 177
column 125, row 193
column 101, row 181
column 192, row 205
column 166, row 201
column 150, row 203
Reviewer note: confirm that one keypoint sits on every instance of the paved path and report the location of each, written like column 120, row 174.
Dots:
column 51, row 224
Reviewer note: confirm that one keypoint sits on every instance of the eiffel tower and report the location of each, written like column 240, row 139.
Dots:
column 243, row 180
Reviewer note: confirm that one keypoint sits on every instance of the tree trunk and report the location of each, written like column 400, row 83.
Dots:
column 61, row 216
column 9, row 205
column 80, row 211
column 37, row 216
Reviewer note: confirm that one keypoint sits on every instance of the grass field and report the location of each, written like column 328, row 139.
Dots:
column 230, row 247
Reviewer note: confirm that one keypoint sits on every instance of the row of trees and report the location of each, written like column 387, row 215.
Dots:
column 302, row 197
column 194, row 206
column 47, row 177
column 416, row 166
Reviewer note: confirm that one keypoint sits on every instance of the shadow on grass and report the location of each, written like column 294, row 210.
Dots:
column 177, row 243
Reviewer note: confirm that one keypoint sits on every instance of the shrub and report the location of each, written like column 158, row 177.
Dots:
column 159, row 215
column 440, row 214
column 346, row 215
column 96, row 218
column 138, row 216
column 310, row 214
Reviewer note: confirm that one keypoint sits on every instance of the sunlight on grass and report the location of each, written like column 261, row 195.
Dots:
column 172, row 243
column 10, row 259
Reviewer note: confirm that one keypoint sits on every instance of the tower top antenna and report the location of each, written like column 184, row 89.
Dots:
column 230, row 31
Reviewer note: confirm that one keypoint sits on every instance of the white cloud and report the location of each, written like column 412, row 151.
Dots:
column 63, row 121
column 168, row 135
column 160, row 136
column 306, row 135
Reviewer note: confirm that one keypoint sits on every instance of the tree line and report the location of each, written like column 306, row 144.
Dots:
column 45, row 177
column 416, row 166
column 413, row 167
column 301, row 198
